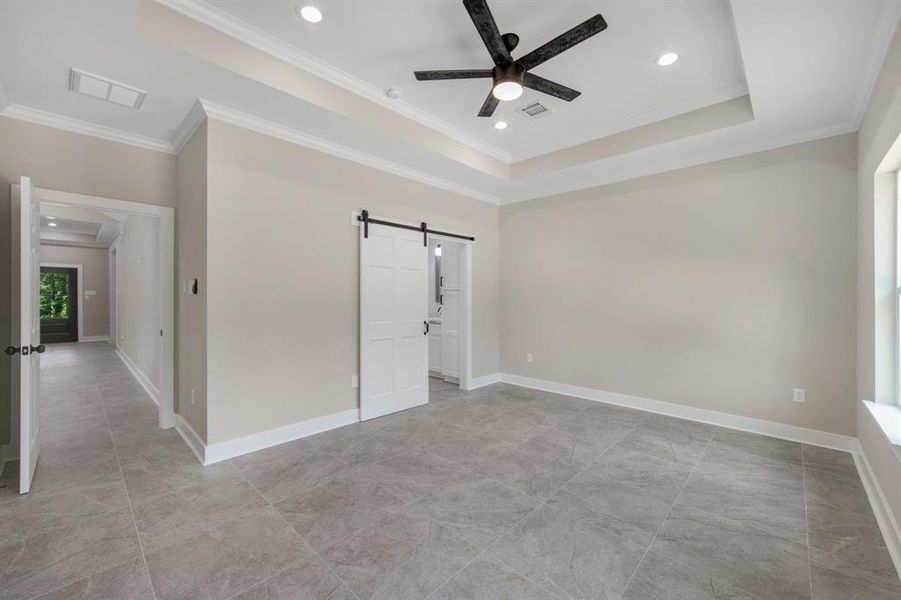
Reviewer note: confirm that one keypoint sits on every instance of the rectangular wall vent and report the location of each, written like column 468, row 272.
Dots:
column 534, row 110
column 105, row 89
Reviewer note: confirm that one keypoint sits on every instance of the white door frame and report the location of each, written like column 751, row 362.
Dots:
column 80, row 291
column 166, row 231
column 465, row 292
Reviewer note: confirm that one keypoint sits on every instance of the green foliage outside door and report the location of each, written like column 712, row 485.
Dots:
column 54, row 295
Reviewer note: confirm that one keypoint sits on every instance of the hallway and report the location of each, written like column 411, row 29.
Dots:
column 107, row 473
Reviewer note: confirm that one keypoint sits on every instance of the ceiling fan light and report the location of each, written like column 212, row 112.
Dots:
column 507, row 90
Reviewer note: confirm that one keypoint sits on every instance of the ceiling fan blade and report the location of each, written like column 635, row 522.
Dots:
column 563, row 42
column 484, row 21
column 452, row 74
column 488, row 107
column 549, row 87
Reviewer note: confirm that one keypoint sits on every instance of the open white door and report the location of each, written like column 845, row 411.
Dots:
column 394, row 350
column 25, row 348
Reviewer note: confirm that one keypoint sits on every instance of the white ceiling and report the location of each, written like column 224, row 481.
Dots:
column 808, row 66
column 382, row 43
column 84, row 227
column 61, row 225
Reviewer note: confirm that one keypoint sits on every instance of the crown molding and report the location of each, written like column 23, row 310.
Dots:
column 189, row 125
column 668, row 112
column 253, row 123
column 882, row 41
column 225, row 23
column 677, row 164
column 39, row 117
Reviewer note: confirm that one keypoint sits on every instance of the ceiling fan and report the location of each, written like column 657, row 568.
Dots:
column 509, row 74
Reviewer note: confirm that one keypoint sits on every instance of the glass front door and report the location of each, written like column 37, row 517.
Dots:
column 59, row 305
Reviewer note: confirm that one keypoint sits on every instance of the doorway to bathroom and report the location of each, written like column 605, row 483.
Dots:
column 445, row 310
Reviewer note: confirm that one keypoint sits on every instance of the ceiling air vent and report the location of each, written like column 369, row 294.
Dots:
column 534, row 110
column 105, row 89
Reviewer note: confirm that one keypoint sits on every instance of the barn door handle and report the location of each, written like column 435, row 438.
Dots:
column 426, row 332
column 11, row 350
column 39, row 349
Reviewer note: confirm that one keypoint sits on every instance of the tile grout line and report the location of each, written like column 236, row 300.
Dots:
column 669, row 512
column 485, row 550
column 806, row 521
column 115, row 454
column 131, row 509
column 540, row 506
column 290, row 526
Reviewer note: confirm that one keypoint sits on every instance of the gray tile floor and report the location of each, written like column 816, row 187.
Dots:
column 501, row 493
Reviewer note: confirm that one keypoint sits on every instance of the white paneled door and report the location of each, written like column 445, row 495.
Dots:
column 25, row 348
column 394, row 351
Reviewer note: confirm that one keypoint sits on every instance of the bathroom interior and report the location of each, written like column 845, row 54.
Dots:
column 445, row 310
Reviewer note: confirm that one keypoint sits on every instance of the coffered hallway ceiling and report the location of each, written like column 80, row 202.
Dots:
column 751, row 75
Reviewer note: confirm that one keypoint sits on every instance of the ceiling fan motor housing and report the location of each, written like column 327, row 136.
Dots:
column 511, row 72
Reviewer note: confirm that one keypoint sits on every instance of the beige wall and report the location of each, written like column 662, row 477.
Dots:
column 70, row 162
column 721, row 286
column 879, row 129
column 95, row 276
column 280, row 240
column 191, row 233
column 138, row 306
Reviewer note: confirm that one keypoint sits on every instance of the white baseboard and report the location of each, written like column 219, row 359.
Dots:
column 891, row 533
column 95, row 338
column 793, row 433
column 273, row 437
column 145, row 382
column 191, row 438
column 478, row 382
column 213, row 453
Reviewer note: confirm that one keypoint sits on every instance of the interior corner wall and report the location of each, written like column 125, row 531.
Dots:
column 191, row 258
column 70, row 162
column 722, row 286
column 283, row 276
column 95, row 274
column 880, row 128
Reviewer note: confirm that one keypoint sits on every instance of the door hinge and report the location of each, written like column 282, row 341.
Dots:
column 161, row 333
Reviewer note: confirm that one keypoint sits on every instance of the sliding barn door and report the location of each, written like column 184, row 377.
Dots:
column 394, row 350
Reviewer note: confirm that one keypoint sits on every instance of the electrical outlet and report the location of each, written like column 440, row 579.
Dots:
column 529, row 357
column 193, row 403
column 354, row 381
column 799, row 395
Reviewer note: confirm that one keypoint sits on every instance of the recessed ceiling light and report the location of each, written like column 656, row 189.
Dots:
column 394, row 93
column 500, row 125
column 52, row 224
column 50, row 218
column 310, row 13
column 667, row 59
